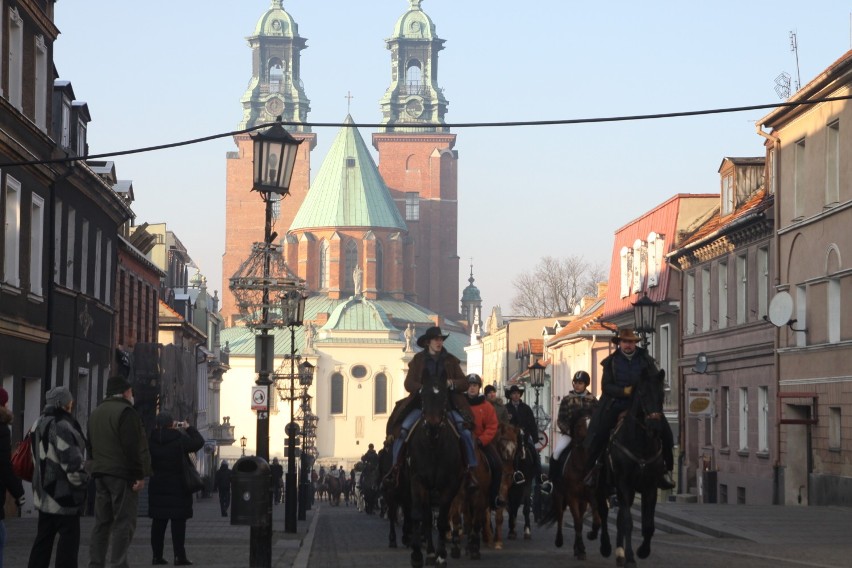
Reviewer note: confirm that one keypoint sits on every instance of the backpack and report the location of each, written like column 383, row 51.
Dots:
column 22, row 460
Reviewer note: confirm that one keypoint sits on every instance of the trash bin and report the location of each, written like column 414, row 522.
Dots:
column 251, row 492
column 710, row 486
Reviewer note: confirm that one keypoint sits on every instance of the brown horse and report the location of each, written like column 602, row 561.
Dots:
column 472, row 508
column 507, row 444
column 334, row 487
column 570, row 491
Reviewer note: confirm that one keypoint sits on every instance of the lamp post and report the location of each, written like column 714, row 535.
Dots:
column 293, row 312
column 537, row 375
column 645, row 317
column 306, row 378
column 274, row 159
column 243, row 441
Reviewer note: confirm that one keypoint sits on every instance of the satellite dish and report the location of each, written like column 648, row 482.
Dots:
column 781, row 309
column 700, row 363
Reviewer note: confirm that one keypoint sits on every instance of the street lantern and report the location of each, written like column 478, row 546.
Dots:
column 306, row 374
column 243, row 442
column 645, row 317
column 537, row 375
column 275, row 152
column 293, row 307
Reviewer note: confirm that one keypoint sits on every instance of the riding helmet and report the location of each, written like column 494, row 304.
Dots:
column 474, row 379
column 582, row 376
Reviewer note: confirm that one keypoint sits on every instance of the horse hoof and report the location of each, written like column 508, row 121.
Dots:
column 498, row 546
column 644, row 551
column 559, row 542
column 581, row 556
column 606, row 550
column 455, row 552
column 620, row 561
column 592, row 535
column 392, row 544
column 475, row 555
column 512, row 536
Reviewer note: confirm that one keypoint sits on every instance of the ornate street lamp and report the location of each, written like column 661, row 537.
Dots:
column 293, row 313
column 537, row 376
column 645, row 317
column 306, row 378
column 274, row 159
column 243, row 441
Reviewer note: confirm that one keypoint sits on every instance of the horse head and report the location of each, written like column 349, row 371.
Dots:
column 579, row 426
column 507, row 442
column 434, row 396
column 649, row 400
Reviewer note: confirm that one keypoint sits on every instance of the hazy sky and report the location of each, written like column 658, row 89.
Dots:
column 163, row 71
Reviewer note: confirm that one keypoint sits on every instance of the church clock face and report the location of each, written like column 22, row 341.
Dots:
column 274, row 106
column 414, row 108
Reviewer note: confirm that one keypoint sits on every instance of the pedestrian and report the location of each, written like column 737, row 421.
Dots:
column 168, row 499
column 120, row 463
column 222, row 484
column 60, row 482
column 8, row 481
column 622, row 371
column 277, row 471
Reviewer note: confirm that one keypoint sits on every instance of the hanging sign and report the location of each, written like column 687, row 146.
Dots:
column 258, row 397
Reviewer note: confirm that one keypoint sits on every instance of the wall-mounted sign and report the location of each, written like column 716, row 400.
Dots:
column 699, row 402
column 258, row 397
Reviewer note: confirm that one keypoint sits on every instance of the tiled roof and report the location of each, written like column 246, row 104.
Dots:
column 588, row 322
column 759, row 202
column 348, row 190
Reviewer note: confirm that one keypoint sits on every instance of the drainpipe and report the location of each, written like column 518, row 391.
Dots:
column 681, row 399
column 776, row 165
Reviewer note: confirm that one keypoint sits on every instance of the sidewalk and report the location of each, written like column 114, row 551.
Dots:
column 211, row 541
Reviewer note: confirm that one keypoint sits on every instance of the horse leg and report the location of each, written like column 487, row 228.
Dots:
column 455, row 530
column 625, row 529
column 443, row 529
column 512, row 513
column 577, row 510
column 392, row 521
column 602, row 509
column 556, row 501
column 527, row 506
column 649, row 504
column 416, row 552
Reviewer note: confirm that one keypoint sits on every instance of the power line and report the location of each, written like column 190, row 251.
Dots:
column 508, row 124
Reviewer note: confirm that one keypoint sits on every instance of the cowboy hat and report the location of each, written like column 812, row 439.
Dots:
column 431, row 333
column 514, row 388
column 626, row 333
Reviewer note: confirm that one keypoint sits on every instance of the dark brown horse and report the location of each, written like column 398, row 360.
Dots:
column 435, row 468
column 471, row 507
column 397, row 498
column 635, row 463
column 507, row 442
column 570, row 492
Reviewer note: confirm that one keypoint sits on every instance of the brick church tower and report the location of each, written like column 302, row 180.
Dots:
column 275, row 90
column 418, row 163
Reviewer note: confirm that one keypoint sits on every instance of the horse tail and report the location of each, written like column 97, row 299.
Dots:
column 551, row 515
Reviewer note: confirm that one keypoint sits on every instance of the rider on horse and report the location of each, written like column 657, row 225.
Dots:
column 622, row 371
column 521, row 416
column 438, row 362
column 370, row 457
column 484, row 429
column 575, row 401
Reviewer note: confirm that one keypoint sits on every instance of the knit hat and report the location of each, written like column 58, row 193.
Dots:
column 117, row 385
column 490, row 388
column 58, row 397
column 164, row 420
column 4, row 396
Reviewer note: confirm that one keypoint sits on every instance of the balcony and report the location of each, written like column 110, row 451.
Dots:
column 222, row 434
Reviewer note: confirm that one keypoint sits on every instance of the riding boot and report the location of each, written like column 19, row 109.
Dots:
column 666, row 481
column 391, row 479
column 470, row 482
column 555, row 473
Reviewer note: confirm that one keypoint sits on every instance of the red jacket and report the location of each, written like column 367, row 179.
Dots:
column 484, row 419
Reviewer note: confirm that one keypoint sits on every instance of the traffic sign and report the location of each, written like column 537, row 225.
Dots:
column 292, row 429
column 258, row 397
column 542, row 441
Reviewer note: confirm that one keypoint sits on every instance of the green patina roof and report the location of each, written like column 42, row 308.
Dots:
column 276, row 22
column 348, row 190
column 359, row 315
column 415, row 23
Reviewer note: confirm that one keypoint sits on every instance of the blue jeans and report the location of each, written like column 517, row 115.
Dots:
column 2, row 541
column 412, row 417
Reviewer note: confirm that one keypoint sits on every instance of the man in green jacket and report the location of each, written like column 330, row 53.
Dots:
column 121, row 462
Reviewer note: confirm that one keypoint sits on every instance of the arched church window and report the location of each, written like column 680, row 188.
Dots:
column 323, row 265
column 413, row 77
column 380, row 266
column 350, row 255
column 275, row 72
column 381, row 394
column 336, row 393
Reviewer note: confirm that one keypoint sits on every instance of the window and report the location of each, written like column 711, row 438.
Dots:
column 358, row 372
column 690, row 304
column 350, row 262
column 743, row 445
column 12, row 232
column 16, row 58
column 771, row 166
column 70, row 233
column 381, row 398
column 763, row 419
column 336, row 393
column 640, row 258
column 833, row 313
column 57, row 243
column 834, row 437
column 832, row 164
column 412, row 206
column 726, row 417
column 84, row 259
column 625, row 271
column 666, row 353
column 98, row 260
column 723, row 295
column 742, row 288
column 40, row 82
column 65, row 140
column 801, row 314
column 81, row 137
column 656, row 252
column 800, row 177
column 741, row 495
column 108, row 275
column 36, row 244
column 276, row 208
column 728, row 194
column 705, row 299
column 762, row 282
column 380, row 266
column 323, row 265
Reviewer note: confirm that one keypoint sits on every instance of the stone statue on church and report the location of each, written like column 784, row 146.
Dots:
column 358, row 279
column 310, row 331
column 409, row 337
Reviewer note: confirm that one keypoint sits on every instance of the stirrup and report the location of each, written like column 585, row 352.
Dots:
column 518, row 478
column 546, row 487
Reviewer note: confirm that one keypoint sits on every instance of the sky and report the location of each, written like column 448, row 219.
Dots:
column 163, row 71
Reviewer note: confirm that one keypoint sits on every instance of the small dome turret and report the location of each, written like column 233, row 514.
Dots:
column 276, row 22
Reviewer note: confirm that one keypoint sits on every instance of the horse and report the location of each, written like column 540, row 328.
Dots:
column 635, row 464
column 520, row 493
column 435, row 467
column 397, row 499
column 368, row 485
column 322, row 487
column 570, row 491
column 507, row 443
column 346, row 488
column 334, row 489
column 472, row 507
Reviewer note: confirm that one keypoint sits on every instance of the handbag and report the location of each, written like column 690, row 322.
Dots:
column 192, row 482
column 22, row 460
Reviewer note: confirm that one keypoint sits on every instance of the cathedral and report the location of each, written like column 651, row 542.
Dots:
column 376, row 245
